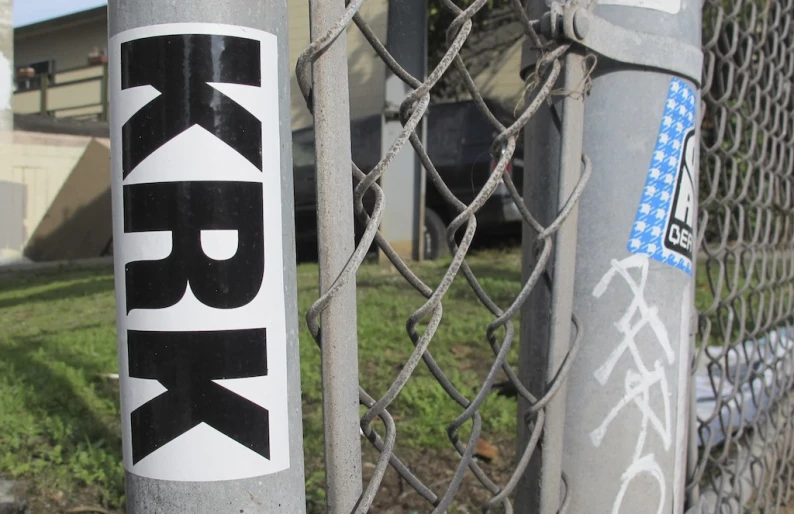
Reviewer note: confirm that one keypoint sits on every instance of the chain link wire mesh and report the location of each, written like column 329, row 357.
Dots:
column 744, row 363
column 421, row 327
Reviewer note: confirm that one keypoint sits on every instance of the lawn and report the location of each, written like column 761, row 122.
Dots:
column 59, row 413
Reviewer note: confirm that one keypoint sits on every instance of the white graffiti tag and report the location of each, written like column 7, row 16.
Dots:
column 641, row 378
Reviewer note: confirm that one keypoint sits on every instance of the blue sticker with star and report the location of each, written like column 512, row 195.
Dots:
column 663, row 226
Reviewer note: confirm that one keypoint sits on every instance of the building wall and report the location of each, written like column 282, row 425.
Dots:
column 501, row 80
column 69, row 46
column 38, row 164
column 366, row 71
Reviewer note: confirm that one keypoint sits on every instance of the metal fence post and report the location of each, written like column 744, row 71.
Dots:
column 6, row 64
column 548, row 467
column 404, row 221
column 540, row 195
column 626, row 427
column 336, row 244
column 44, row 84
column 204, row 256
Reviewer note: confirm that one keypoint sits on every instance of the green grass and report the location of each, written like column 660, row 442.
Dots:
column 59, row 414
column 740, row 298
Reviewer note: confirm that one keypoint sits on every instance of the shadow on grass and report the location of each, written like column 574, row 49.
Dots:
column 74, row 444
column 56, row 396
column 64, row 292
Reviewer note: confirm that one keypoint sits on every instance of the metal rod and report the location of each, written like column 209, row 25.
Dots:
column 564, row 265
column 336, row 244
column 204, row 258
column 540, row 191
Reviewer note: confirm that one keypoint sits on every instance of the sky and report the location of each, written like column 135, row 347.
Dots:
column 32, row 11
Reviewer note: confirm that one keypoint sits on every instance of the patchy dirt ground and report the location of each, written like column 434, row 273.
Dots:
column 436, row 469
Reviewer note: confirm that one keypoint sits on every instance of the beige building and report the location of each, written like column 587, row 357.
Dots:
column 61, row 48
column 53, row 187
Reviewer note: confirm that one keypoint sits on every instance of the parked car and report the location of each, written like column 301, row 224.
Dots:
column 459, row 140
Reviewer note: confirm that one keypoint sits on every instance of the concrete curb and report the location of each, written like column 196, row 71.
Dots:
column 10, row 500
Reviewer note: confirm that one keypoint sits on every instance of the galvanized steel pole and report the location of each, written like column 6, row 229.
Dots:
column 336, row 244
column 560, row 328
column 204, row 256
column 626, row 428
column 6, row 64
column 540, row 193
column 404, row 221
column 542, row 485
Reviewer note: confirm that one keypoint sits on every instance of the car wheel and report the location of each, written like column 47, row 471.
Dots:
column 435, row 236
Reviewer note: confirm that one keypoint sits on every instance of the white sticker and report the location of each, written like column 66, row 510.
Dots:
column 668, row 6
column 198, row 251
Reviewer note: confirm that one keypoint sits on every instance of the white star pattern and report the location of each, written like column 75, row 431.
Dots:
column 648, row 230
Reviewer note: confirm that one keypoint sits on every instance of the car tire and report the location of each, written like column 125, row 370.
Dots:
column 435, row 235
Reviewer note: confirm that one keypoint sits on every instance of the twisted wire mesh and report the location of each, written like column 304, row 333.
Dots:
column 423, row 324
column 744, row 365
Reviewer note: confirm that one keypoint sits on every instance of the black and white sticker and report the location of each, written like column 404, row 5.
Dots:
column 198, row 249
column 678, row 235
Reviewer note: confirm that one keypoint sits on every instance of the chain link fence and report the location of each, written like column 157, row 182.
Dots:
column 501, row 334
column 744, row 367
